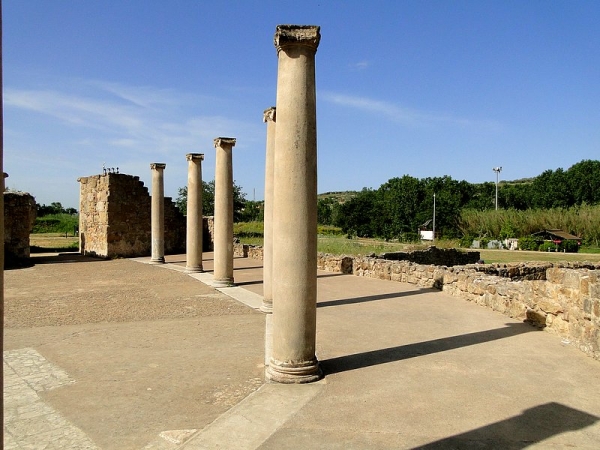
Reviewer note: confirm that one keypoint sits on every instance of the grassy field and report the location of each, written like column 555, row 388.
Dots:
column 515, row 256
column 342, row 246
column 53, row 241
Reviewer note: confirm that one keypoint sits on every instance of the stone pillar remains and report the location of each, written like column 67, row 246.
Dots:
column 194, row 230
column 267, row 304
column 293, row 358
column 157, row 215
column 223, row 253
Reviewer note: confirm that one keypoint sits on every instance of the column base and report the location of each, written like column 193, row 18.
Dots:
column 159, row 260
column 196, row 269
column 223, row 283
column 267, row 307
column 307, row 372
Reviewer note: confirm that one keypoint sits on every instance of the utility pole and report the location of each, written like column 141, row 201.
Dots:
column 497, row 170
column 433, row 238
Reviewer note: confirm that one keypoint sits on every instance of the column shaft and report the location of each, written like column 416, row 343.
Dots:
column 293, row 359
column 158, row 214
column 223, row 235
column 267, row 305
column 194, row 229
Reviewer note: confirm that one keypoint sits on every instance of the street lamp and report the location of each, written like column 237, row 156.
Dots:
column 497, row 170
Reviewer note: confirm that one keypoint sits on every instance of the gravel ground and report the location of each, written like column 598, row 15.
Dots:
column 148, row 349
column 73, row 290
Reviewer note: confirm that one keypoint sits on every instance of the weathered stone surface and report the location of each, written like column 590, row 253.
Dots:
column 114, row 218
column 19, row 218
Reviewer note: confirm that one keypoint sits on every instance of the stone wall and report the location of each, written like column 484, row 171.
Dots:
column 208, row 236
column 114, row 218
column 19, row 218
column 437, row 256
column 563, row 299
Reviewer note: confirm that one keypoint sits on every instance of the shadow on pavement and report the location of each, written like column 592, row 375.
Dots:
column 337, row 274
column 531, row 426
column 62, row 258
column 371, row 298
column 391, row 354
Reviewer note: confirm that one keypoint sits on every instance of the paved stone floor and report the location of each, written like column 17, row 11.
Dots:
column 124, row 355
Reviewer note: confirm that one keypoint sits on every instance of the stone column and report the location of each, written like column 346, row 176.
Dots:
column 158, row 213
column 293, row 358
column 223, row 253
column 267, row 304
column 194, row 213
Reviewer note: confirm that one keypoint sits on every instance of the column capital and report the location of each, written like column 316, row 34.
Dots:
column 221, row 141
column 158, row 166
column 195, row 157
column 269, row 114
column 297, row 35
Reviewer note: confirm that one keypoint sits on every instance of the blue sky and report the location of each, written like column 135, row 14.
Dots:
column 424, row 88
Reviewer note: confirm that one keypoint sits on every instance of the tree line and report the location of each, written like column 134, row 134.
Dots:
column 243, row 210
column 400, row 206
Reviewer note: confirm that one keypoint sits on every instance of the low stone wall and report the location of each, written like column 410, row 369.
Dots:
column 19, row 218
column 437, row 256
column 563, row 299
column 248, row 251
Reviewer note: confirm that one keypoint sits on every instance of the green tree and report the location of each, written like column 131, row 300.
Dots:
column 584, row 182
column 356, row 215
column 551, row 190
column 208, row 200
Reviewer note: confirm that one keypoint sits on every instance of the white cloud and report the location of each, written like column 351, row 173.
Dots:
column 402, row 115
column 138, row 119
column 361, row 65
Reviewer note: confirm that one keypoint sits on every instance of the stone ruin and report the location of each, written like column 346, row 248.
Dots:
column 114, row 218
column 19, row 218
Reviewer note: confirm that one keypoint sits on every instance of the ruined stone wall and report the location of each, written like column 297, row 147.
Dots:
column 114, row 218
column 208, row 236
column 563, row 299
column 19, row 218
column 437, row 256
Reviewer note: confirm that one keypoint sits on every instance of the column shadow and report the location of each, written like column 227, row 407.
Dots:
column 401, row 352
column 532, row 426
column 371, row 298
column 247, row 268
column 247, row 283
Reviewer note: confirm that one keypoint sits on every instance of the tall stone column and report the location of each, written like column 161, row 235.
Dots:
column 158, row 213
column 223, row 234
column 293, row 358
column 267, row 304
column 194, row 213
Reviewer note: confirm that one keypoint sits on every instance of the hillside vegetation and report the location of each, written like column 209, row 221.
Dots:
column 562, row 199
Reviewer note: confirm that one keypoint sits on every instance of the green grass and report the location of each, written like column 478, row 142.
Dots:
column 517, row 256
column 56, row 223
column 337, row 245
column 52, row 242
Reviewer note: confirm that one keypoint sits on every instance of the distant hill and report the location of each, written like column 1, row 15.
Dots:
column 339, row 197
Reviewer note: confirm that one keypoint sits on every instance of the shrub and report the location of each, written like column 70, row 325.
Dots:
column 329, row 230
column 569, row 246
column 466, row 241
column 548, row 246
column 56, row 223
column 529, row 243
